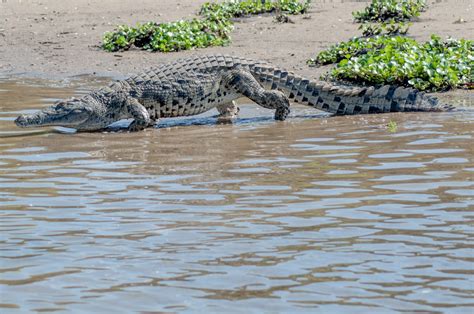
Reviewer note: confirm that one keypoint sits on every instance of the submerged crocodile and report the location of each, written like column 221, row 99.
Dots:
column 197, row 84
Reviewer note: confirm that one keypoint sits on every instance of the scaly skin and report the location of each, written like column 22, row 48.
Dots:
column 197, row 84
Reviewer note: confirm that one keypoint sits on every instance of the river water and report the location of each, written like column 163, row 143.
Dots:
column 314, row 214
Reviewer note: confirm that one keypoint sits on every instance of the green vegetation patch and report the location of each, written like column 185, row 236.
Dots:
column 435, row 65
column 383, row 10
column 384, row 28
column 232, row 9
column 166, row 37
column 213, row 30
column 392, row 126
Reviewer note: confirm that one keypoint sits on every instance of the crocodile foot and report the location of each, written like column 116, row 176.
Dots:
column 228, row 110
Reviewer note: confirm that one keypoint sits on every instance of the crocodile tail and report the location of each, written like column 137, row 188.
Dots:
column 343, row 100
column 347, row 100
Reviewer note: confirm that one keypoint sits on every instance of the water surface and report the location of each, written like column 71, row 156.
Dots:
column 314, row 214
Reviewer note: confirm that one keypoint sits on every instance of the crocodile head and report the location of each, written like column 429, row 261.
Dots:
column 80, row 114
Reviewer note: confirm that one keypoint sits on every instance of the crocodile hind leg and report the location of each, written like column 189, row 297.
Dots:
column 228, row 110
column 244, row 83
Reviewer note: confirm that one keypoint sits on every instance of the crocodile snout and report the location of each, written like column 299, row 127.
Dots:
column 21, row 121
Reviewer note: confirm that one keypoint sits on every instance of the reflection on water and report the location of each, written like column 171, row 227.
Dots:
column 312, row 214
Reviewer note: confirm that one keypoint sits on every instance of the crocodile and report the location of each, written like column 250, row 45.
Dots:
column 196, row 84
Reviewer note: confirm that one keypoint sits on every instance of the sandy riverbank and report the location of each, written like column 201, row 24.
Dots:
column 61, row 38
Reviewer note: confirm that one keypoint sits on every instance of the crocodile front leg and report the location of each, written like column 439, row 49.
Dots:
column 244, row 83
column 139, row 113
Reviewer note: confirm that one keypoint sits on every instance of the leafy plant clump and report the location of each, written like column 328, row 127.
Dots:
column 352, row 48
column 434, row 65
column 392, row 126
column 213, row 30
column 166, row 37
column 384, row 28
column 383, row 10
column 233, row 8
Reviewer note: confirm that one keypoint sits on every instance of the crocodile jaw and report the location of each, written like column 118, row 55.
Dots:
column 48, row 118
column 53, row 117
column 74, row 113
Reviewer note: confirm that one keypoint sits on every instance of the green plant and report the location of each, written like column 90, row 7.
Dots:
column 434, row 65
column 392, row 126
column 346, row 50
column 166, row 37
column 233, row 8
column 384, row 28
column 383, row 10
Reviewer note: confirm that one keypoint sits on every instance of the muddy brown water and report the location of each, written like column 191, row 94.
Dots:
column 314, row 214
